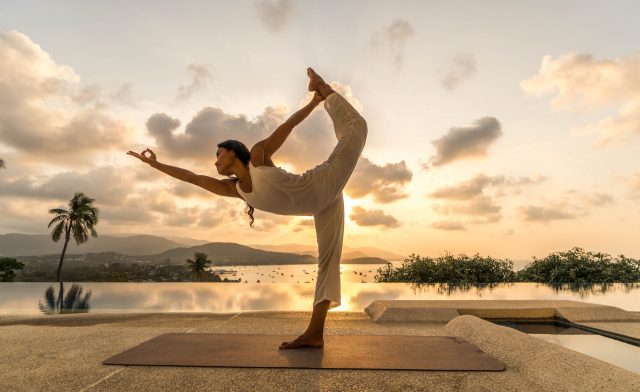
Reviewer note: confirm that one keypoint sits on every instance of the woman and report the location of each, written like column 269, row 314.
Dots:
column 316, row 192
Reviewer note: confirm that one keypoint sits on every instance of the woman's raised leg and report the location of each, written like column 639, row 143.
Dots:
column 351, row 131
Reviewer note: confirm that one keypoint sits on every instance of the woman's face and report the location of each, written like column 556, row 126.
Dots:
column 224, row 160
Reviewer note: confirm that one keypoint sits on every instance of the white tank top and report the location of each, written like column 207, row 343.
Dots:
column 280, row 192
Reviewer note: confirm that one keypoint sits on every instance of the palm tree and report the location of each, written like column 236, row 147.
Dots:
column 2, row 165
column 198, row 265
column 80, row 217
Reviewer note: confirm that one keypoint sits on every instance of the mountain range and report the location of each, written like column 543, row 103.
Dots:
column 177, row 249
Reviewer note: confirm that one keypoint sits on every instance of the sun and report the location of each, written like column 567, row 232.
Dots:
column 348, row 204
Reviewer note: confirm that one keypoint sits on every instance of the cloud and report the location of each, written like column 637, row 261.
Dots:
column 475, row 186
column 384, row 183
column 223, row 212
column 448, row 225
column 470, row 141
column 127, row 214
column 124, row 95
column 201, row 75
column 596, row 199
column 274, row 15
column 393, row 39
column 267, row 221
column 105, row 184
column 463, row 66
column 364, row 217
column 545, row 214
column 46, row 111
column 483, row 207
column 468, row 197
column 305, row 224
column 632, row 183
column 582, row 83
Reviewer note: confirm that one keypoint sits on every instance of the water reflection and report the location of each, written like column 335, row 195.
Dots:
column 450, row 288
column 73, row 302
column 585, row 290
column 220, row 297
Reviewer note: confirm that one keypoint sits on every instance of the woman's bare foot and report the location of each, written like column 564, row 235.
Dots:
column 303, row 341
column 314, row 80
column 316, row 83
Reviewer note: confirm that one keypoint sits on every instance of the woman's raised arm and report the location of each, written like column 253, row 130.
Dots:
column 224, row 187
column 277, row 138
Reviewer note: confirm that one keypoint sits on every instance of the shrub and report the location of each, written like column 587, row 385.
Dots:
column 578, row 266
column 448, row 268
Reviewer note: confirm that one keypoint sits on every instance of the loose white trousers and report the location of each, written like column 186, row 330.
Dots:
column 330, row 179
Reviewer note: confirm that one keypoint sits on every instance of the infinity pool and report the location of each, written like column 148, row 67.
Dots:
column 615, row 352
column 28, row 298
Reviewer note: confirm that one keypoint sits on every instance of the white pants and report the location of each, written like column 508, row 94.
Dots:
column 330, row 179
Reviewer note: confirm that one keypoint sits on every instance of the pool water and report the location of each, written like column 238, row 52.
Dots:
column 615, row 352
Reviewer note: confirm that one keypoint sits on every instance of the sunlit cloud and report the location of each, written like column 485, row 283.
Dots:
column 469, row 141
column 384, row 183
column 468, row 197
column 545, row 213
column 106, row 183
column 475, row 186
column 364, row 217
column 483, row 209
column 596, row 199
column 45, row 108
column 304, row 224
column 582, row 83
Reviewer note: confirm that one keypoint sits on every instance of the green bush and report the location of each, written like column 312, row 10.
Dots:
column 460, row 269
column 575, row 266
column 578, row 266
column 7, row 265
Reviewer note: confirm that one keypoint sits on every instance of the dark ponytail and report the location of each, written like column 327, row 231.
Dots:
column 242, row 152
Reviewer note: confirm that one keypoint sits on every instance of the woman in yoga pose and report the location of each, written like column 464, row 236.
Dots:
column 316, row 192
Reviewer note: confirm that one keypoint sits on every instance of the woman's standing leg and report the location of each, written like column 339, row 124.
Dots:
column 329, row 225
column 329, row 232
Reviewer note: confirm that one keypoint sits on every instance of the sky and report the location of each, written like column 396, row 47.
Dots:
column 503, row 128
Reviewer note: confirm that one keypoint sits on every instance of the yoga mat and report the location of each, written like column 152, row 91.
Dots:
column 339, row 352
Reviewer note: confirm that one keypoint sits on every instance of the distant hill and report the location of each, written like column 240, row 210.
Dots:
column 229, row 253
column 159, row 249
column 14, row 244
column 367, row 260
column 187, row 241
column 347, row 252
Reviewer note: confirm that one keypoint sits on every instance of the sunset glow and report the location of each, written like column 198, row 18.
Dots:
column 486, row 133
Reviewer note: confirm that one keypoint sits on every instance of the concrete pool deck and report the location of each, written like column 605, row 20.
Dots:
column 65, row 352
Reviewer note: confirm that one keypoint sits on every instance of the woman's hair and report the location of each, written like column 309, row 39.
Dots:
column 242, row 152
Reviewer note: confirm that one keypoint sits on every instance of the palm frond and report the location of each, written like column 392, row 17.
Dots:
column 57, row 231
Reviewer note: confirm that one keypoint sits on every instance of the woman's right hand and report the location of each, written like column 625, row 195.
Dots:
column 317, row 98
column 147, row 159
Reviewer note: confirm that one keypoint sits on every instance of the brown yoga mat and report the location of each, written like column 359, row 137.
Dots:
column 339, row 352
